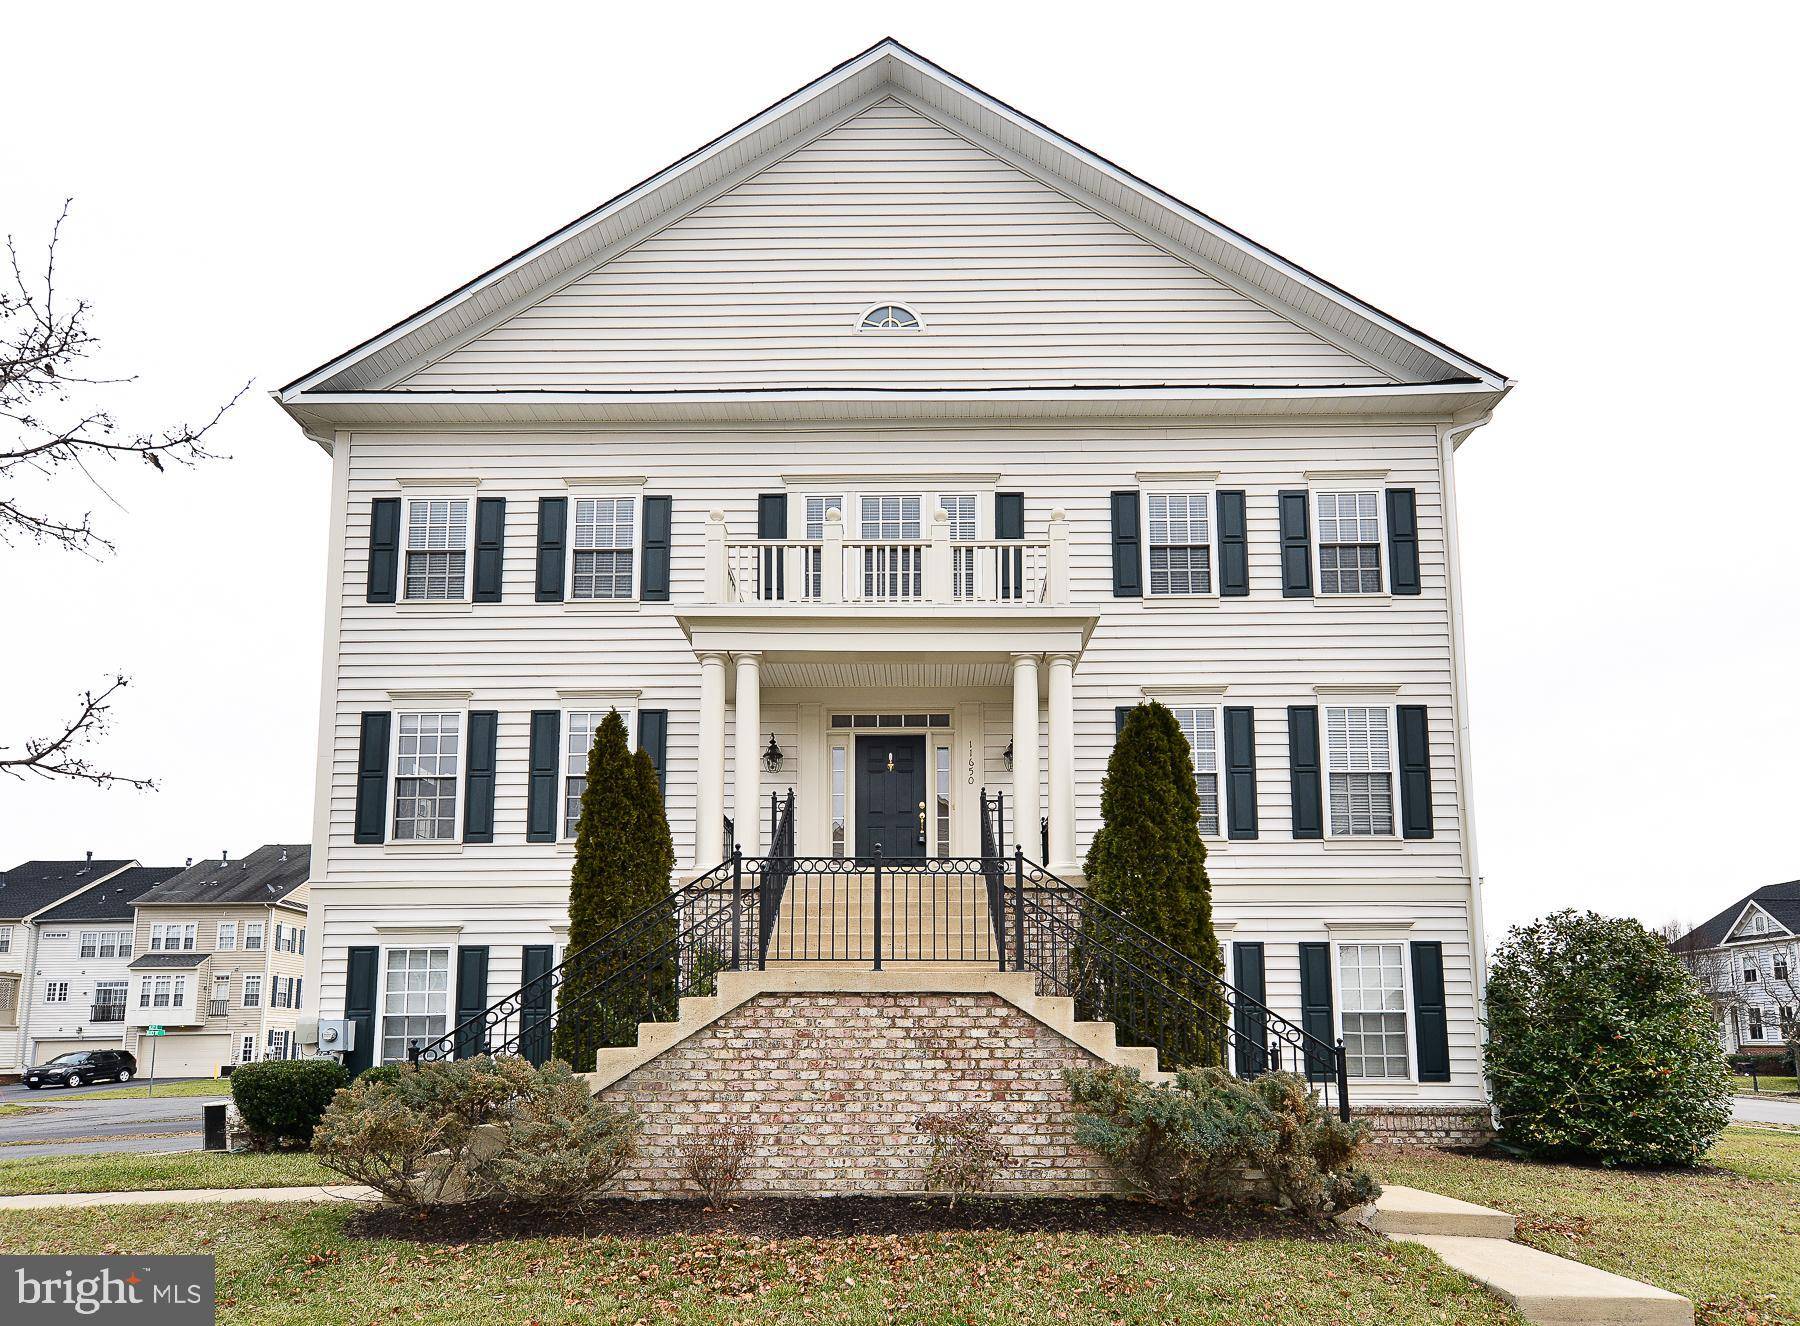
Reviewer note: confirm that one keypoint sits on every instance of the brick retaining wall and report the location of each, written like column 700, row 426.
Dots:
column 833, row 1085
column 1459, row 1127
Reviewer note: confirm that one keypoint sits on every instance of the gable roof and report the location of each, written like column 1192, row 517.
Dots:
column 266, row 875
column 887, row 69
column 1781, row 901
column 111, row 900
column 34, row 885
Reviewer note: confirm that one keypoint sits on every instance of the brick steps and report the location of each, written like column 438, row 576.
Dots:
column 736, row 988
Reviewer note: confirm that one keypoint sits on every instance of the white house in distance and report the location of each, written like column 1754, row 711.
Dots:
column 884, row 451
column 1748, row 958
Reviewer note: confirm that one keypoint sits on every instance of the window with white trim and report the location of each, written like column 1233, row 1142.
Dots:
column 817, row 507
column 960, row 507
column 890, row 317
column 253, row 935
column 1180, row 543
column 1200, row 725
column 5, row 939
column 893, row 558
column 1781, row 967
column 109, row 1001
column 604, row 542
column 174, row 936
column 252, row 989
column 415, row 1000
column 1372, row 987
column 1751, row 974
column 162, row 992
column 1359, row 769
column 941, row 776
column 247, row 1050
column 427, row 773
column 1349, row 542
column 437, row 548
column 279, row 1039
column 1756, row 1024
column 580, row 727
column 56, row 992
column 221, row 990
column 106, row 943
column 227, row 939
column 840, row 791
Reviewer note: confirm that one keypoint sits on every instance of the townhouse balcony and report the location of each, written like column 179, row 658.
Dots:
column 218, row 1008
column 106, row 1013
column 1001, row 574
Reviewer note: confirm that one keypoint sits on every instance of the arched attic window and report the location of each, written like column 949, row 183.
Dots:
column 890, row 318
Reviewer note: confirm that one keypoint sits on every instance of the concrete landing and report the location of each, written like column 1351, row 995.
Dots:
column 1554, row 1291
column 1413, row 1211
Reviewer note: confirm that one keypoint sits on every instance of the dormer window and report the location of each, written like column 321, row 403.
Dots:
column 890, row 317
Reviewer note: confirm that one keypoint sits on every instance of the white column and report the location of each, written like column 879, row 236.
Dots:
column 746, row 801
column 1062, row 761
column 709, row 796
column 1025, row 754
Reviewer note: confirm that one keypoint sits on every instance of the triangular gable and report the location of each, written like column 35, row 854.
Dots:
column 1356, row 331
column 1755, row 923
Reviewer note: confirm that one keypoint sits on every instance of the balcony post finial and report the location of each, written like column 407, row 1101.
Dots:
column 831, row 558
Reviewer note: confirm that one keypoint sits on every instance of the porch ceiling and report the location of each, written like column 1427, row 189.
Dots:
column 862, row 634
column 886, row 675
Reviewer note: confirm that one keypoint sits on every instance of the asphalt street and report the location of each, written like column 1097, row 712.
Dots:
column 1766, row 1109
column 63, row 1122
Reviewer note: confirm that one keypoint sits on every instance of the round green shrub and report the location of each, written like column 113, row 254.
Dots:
column 1601, row 1046
column 282, row 1100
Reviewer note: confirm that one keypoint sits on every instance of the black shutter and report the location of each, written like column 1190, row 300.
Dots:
column 1127, row 556
column 658, row 513
column 1316, row 1018
column 553, row 531
column 1120, row 714
column 653, row 736
column 1429, row 1013
column 1009, row 515
column 771, row 563
column 1403, row 541
column 1240, row 772
column 1296, row 545
column 771, row 516
column 1248, row 1020
column 359, row 1008
column 471, row 999
column 490, row 547
column 478, row 809
column 384, row 549
column 1234, row 544
column 543, row 805
column 371, row 778
column 534, row 1004
column 1415, row 771
column 1304, row 771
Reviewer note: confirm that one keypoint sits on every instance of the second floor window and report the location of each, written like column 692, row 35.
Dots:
column 109, row 1001
column 1349, row 543
column 174, row 937
column 56, row 992
column 603, row 545
column 437, row 547
column 427, row 760
column 1751, row 974
column 1781, row 969
column 252, row 990
column 1359, row 763
column 1180, row 543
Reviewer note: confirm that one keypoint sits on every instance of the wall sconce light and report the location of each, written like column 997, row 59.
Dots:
column 773, row 756
column 1007, row 755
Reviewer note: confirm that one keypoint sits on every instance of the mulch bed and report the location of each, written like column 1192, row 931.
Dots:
column 827, row 1217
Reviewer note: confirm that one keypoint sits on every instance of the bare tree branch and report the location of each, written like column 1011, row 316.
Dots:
column 64, row 755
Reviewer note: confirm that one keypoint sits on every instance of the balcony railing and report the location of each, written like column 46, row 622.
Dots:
column 106, row 1013
column 936, row 569
column 218, row 1008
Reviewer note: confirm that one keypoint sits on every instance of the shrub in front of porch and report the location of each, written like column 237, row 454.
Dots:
column 1602, row 1046
column 1148, row 864
column 282, row 1100
column 623, row 858
column 1196, row 1143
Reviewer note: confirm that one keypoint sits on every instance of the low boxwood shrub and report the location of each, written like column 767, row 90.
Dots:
column 1601, row 1045
column 477, row 1131
column 1197, row 1141
column 282, row 1100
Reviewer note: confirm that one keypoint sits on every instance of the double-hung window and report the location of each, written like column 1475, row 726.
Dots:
column 581, row 726
column 1349, row 542
column 253, row 935
column 5, row 939
column 1372, row 985
column 603, row 544
column 437, row 549
column 818, row 505
column 427, row 769
column 227, row 936
column 278, row 1042
column 106, row 943
column 893, row 558
column 1359, row 767
column 960, row 507
column 174, row 937
column 415, row 1000
column 247, row 1050
column 1756, row 1024
column 1201, row 728
column 252, row 989
column 1180, row 543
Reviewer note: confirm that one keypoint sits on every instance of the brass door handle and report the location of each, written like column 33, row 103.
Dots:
column 921, row 821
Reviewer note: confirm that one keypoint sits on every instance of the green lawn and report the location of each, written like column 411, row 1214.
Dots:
column 125, row 1172
column 1725, row 1236
column 14, row 1111
column 1781, row 1086
column 300, row 1265
column 200, row 1086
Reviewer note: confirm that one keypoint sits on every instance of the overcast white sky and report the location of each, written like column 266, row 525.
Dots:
column 1593, row 199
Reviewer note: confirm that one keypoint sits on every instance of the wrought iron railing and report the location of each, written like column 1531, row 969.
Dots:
column 106, row 1013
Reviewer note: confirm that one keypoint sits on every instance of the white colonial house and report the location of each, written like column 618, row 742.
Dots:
column 1748, row 959
column 884, row 452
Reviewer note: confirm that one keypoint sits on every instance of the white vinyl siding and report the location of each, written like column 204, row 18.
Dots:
column 1359, row 771
column 415, row 999
column 1180, row 543
column 1349, row 542
column 602, row 547
column 1372, row 993
column 437, row 548
column 427, row 776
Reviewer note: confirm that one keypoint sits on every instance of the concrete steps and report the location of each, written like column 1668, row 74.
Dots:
column 736, row 988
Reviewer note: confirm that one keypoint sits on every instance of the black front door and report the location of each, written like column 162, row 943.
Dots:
column 890, row 796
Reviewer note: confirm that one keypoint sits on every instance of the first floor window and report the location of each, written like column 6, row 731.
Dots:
column 1373, row 987
column 278, row 1043
column 437, row 547
column 1201, row 728
column 427, row 763
column 1180, row 544
column 1349, row 543
column 252, row 989
column 603, row 544
column 1756, row 1024
column 1359, row 762
column 247, row 1050
column 56, row 992
column 415, row 1004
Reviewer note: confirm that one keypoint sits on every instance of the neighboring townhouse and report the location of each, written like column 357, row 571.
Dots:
column 26, row 892
column 1748, row 959
column 882, row 453
column 76, row 1000
column 220, row 963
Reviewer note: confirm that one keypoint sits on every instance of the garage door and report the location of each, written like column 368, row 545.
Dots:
column 44, row 1051
column 184, row 1056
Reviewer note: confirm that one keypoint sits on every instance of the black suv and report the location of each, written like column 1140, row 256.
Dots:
column 79, row 1067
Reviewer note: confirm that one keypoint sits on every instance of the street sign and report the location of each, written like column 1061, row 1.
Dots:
column 155, row 1031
